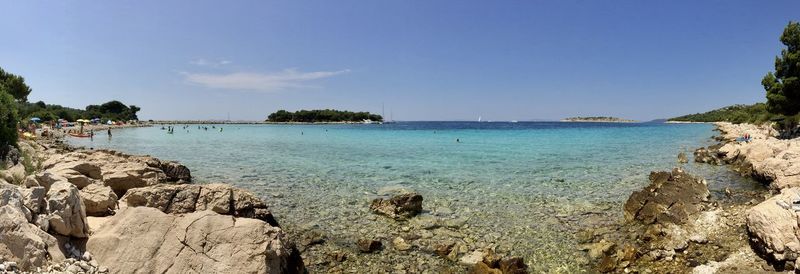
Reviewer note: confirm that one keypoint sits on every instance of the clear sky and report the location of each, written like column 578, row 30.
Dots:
column 425, row 60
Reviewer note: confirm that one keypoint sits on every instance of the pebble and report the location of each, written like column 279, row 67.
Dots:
column 401, row 244
column 74, row 269
column 87, row 256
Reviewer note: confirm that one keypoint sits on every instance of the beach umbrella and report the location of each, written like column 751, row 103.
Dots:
column 35, row 119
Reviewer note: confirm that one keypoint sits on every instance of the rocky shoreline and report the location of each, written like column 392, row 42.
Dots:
column 675, row 225
column 83, row 210
column 79, row 210
column 67, row 210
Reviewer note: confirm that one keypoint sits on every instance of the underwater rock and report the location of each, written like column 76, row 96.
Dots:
column 369, row 245
column 398, row 207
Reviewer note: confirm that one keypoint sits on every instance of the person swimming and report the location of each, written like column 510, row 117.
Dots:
column 458, row 140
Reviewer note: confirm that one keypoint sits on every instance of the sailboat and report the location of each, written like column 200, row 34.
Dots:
column 479, row 118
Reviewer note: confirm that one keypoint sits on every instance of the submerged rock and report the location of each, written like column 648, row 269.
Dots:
column 369, row 245
column 682, row 158
column 176, row 172
column 401, row 206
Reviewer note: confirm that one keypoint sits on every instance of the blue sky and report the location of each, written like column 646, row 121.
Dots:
column 425, row 60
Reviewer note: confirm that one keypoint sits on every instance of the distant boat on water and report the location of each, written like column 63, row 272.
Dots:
column 479, row 118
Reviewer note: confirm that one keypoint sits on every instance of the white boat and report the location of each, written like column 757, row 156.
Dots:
column 368, row 121
column 514, row 121
column 479, row 118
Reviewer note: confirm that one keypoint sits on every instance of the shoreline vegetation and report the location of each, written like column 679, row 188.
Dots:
column 753, row 114
column 323, row 116
column 598, row 119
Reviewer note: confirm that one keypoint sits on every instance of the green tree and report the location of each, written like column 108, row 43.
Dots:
column 14, row 85
column 783, row 86
column 8, row 121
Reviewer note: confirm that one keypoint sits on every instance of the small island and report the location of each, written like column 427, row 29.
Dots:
column 323, row 116
column 598, row 119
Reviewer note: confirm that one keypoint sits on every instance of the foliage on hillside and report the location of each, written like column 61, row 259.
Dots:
column 8, row 122
column 113, row 110
column 321, row 115
column 755, row 113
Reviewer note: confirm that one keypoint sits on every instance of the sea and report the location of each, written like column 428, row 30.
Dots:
column 521, row 188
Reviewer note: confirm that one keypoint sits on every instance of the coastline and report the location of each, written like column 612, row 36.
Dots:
column 720, row 243
column 217, row 122
column 102, row 211
column 700, row 232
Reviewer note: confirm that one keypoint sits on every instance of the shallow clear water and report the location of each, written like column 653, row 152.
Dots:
column 530, row 182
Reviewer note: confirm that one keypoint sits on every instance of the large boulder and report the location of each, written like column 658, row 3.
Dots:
column 671, row 197
column 74, row 177
column 23, row 242
column 99, row 200
column 401, row 206
column 146, row 240
column 88, row 169
column 34, row 199
column 773, row 227
column 66, row 212
column 10, row 195
column 46, row 179
column 132, row 175
column 220, row 198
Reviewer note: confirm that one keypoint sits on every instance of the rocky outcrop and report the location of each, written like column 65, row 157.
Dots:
column 401, row 206
column 98, row 200
column 146, row 240
column 773, row 227
column 21, row 241
column 671, row 197
column 764, row 157
column 66, row 213
column 709, row 155
column 117, row 170
column 132, row 176
column 220, row 198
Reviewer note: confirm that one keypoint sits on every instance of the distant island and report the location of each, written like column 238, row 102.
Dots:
column 322, row 116
column 755, row 113
column 598, row 119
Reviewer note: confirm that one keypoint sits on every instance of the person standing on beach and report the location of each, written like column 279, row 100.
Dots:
column 109, row 133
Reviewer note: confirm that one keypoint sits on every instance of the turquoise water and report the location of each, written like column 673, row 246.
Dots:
column 533, row 183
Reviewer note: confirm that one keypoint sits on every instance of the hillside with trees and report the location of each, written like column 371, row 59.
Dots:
column 755, row 113
column 321, row 116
